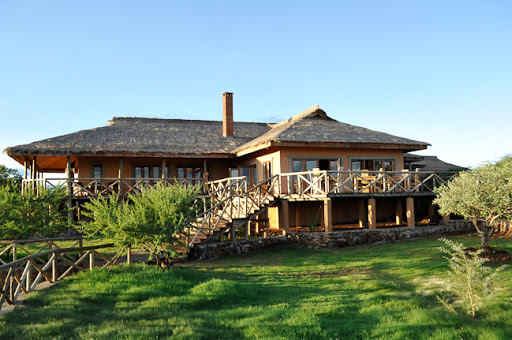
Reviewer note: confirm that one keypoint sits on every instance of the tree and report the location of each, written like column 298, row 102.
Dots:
column 483, row 196
column 23, row 215
column 9, row 176
column 469, row 280
column 155, row 220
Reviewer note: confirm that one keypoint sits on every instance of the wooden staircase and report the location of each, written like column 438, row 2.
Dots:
column 231, row 207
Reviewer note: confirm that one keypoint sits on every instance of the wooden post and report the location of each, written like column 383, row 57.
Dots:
column 14, row 252
column 54, row 267
column 69, row 189
column 409, row 201
column 129, row 255
column 372, row 213
column 80, row 245
column 28, row 280
column 232, row 232
column 446, row 217
column 121, row 175
column 328, row 215
column 431, row 211
column 33, row 174
column 91, row 260
column 284, row 215
column 298, row 223
column 163, row 169
column 266, row 222
column 247, row 229
column 205, row 170
column 362, row 213
column 399, row 211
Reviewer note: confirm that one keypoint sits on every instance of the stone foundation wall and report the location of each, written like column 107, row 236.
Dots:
column 328, row 240
column 224, row 249
column 367, row 236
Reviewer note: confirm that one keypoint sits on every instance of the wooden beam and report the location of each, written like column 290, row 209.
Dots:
column 327, row 215
column 283, row 213
column 411, row 221
column 362, row 213
column 399, row 211
column 372, row 213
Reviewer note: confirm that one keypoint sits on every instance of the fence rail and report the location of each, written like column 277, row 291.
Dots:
column 323, row 183
column 94, row 187
column 25, row 274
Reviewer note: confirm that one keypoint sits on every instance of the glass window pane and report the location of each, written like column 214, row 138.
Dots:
column 97, row 171
column 181, row 172
column 310, row 165
column 156, row 172
column 378, row 165
column 233, row 172
column 245, row 172
column 255, row 175
column 297, row 166
column 138, row 172
column 356, row 165
column 389, row 165
column 333, row 165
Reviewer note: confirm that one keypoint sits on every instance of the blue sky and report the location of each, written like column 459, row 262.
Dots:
column 435, row 71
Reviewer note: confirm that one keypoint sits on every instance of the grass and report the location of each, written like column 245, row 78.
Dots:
column 381, row 291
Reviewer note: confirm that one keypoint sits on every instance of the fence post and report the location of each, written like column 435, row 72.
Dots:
column 91, row 260
column 28, row 280
column 14, row 252
column 54, row 267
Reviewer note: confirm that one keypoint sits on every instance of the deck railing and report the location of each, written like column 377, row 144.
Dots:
column 323, row 183
column 302, row 184
column 94, row 187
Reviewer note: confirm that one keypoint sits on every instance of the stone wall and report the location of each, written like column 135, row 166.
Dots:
column 328, row 240
column 224, row 249
column 367, row 236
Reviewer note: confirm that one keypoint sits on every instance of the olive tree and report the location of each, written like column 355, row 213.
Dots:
column 155, row 220
column 482, row 196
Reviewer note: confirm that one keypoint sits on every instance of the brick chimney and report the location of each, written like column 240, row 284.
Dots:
column 227, row 121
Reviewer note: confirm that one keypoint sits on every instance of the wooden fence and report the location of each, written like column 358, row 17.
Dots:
column 23, row 275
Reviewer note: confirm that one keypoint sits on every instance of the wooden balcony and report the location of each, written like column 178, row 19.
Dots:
column 85, row 188
column 363, row 183
column 306, row 184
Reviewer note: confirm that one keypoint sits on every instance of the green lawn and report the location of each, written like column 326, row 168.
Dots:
column 381, row 291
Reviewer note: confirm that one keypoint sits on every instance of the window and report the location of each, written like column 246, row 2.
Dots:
column 310, row 164
column 192, row 174
column 267, row 170
column 248, row 171
column 97, row 170
column 372, row 165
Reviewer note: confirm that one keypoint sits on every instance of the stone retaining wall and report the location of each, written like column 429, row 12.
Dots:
column 224, row 249
column 367, row 236
column 328, row 240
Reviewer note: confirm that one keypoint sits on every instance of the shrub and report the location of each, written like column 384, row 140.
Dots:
column 23, row 215
column 155, row 220
column 470, row 281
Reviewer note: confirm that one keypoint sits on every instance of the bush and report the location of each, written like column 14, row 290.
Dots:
column 155, row 220
column 23, row 215
column 470, row 281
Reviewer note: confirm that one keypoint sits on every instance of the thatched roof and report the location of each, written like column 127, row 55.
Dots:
column 429, row 163
column 199, row 137
column 314, row 126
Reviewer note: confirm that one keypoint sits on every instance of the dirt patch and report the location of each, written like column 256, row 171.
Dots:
column 494, row 255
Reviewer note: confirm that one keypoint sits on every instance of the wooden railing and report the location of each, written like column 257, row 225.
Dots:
column 323, row 183
column 233, row 202
column 24, row 274
column 94, row 187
